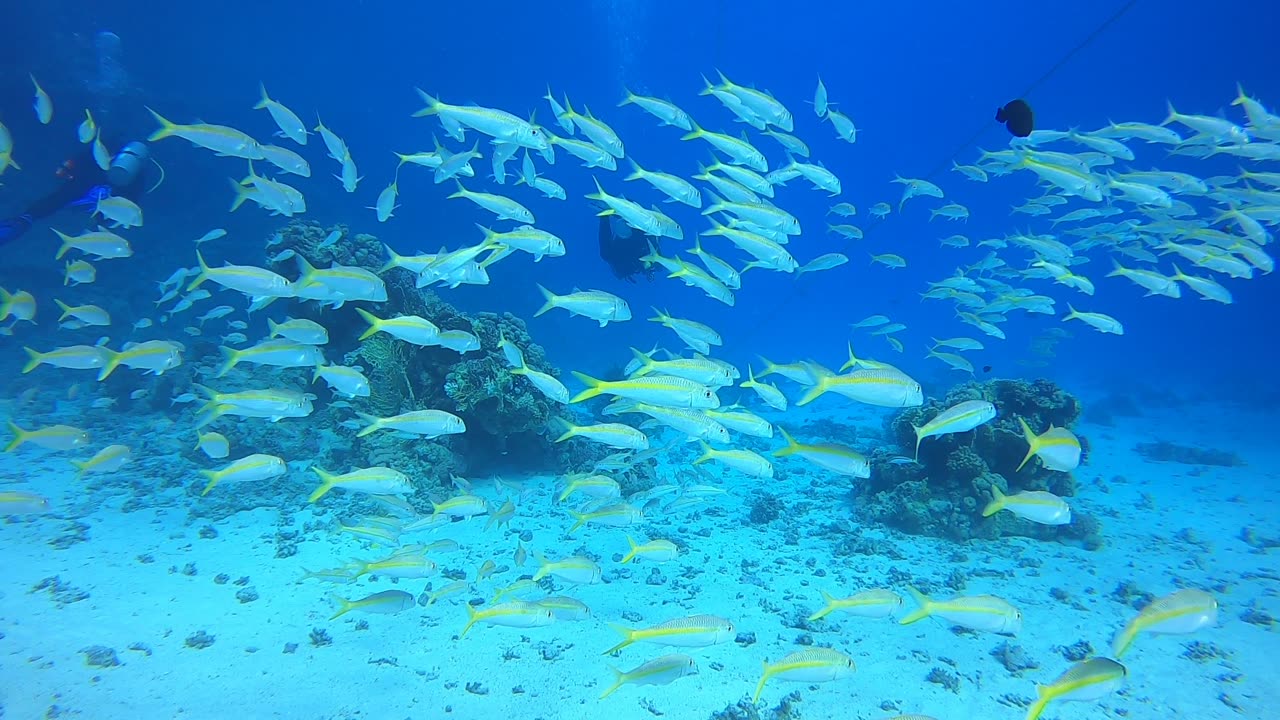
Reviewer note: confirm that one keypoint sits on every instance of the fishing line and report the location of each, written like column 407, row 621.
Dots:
column 970, row 142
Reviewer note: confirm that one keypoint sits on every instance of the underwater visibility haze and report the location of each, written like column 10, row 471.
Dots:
column 628, row 359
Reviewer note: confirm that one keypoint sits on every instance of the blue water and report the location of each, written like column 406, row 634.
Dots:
column 920, row 79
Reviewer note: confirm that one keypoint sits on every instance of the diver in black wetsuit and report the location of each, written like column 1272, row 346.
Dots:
column 623, row 247
column 81, row 184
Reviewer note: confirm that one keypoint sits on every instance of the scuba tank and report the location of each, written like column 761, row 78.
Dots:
column 127, row 165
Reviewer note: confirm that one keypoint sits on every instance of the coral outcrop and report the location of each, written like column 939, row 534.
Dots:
column 508, row 420
column 944, row 494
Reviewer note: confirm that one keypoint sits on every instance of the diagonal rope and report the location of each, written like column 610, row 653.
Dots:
column 970, row 142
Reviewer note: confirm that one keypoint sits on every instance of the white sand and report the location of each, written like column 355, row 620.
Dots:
column 411, row 665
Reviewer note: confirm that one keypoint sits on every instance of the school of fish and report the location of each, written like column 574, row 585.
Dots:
column 1160, row 230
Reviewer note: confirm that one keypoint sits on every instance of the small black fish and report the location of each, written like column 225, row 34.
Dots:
column 986, row 368
column 1017, row 117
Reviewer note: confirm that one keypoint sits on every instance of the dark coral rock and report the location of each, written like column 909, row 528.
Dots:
column 1202, row 652
column 945, row 678
column 1132, row 595
column 62, row 593
column 304, row 237
column 1014, row 658
column 320, row 637
column 944, row 493
column 1170, row 452
column 1077, row 652
column 964, row 464
column 508, row 419
column 100, row 656
column 199, row 640
column 765, row 508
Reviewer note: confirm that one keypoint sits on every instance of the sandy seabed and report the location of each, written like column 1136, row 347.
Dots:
column 204, row 621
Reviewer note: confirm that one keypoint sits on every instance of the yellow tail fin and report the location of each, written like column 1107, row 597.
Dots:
column 1124, row 639
column 818, row 389
column 113, row 362
column 792, row 446
column 344, row 606
column 213, row 480
column 166, row 128
column 580, row 519
column 708, row 454
column 920, row 613
column 66, row 244
column 233, row 357
column 1033, row 442
column 996, row 504
column 760, row 686
column 830, row 601
column 628, row 638
column 326, row 484
column 1037, row 707
column 472, row 617
column 34, row 361
column 19, row 437
column 630, row 555
column 570, row 430
column 619, row 678
column 594, row 387
column 373, row 324
column 202, row 276
column 550, row 301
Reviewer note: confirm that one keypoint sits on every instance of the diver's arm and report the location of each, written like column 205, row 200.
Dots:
column 65, row 194
column 62, row 196
column 83, row 190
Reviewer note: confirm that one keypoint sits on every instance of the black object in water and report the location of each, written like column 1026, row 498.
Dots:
column 622, row 248
column 1017, row 117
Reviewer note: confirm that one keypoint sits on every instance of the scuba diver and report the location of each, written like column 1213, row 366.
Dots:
column 82, row 183
column 624, row 248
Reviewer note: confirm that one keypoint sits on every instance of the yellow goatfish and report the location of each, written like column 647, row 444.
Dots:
column 1089, row 680
column 958, row 418
column 1038, row 506
column 868, row 603
column 1179, row 613
column 108, row 459
column 830, row 456
column 247, row 469
column 882, row 387
column 54, row 437
column 386, row 602
column 976, row 612
column 1058, row 448
column 659, row 671
column 517, row 614
column 577, row 569
column 565, row 608
column 811, row 666
column 373, row 480
column 14, row 502
column 616, row 515
column 655, row 550
column 692, row 631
